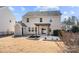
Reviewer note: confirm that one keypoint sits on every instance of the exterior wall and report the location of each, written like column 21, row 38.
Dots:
column 55, row 24
column 24, row 31
column 7, row 21
column 18, row 30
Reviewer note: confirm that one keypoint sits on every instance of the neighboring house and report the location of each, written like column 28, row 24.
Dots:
column 78, row 24
column 41, row 22
column 70, row 22
column 67, row 27
column 7, row 21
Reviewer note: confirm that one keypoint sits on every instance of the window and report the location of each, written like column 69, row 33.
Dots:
column 50, row 20
column 40, row 19
column 10, row 21
column 29, row 29
column 27, row 19
column 32, row 29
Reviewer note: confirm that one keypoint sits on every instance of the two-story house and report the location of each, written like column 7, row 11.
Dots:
column 7, row 21
column 41, row 22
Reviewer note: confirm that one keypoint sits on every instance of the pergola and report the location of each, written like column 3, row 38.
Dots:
column 42, row 24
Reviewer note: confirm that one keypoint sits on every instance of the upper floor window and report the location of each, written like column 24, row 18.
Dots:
column 27, row 19
column 41, row 20
column 10, row 21
column 50, row 20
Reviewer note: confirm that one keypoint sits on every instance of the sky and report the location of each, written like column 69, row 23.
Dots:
column 19, row 11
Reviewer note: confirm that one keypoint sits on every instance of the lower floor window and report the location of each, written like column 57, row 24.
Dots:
column 29, row 29
column 32, row 29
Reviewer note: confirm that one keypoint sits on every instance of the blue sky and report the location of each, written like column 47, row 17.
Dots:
column 66, row 11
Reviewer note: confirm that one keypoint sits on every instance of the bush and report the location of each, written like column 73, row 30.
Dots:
column 75, row 29
column 57, row 32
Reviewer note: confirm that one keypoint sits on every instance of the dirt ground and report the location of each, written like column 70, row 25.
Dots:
column 24, row 45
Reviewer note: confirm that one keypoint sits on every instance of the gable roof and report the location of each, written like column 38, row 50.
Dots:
column 22, row 24
column 44, row 13
column 2, row 6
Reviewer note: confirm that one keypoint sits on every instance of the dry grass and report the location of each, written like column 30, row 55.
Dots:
column 18, row 45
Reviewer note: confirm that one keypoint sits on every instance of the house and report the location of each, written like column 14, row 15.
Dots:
column 7, row 21
column 70, row 22
column 41, row 22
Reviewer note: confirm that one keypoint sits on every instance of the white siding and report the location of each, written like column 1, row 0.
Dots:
column 5, row 18
column 18, row 29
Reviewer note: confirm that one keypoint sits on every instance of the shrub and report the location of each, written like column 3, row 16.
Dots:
column 75, row 29
column 57, row 32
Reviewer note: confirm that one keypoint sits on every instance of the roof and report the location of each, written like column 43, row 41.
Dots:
column 44, row 13
column 22, row 24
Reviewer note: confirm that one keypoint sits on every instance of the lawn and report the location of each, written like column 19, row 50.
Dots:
column 23, row 45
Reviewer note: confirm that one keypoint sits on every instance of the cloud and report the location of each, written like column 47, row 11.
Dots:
column 16, row 14
column 23, row 9
column 75, row 6
column 72, row 12
column 54, row 7
column 46, row 8
column 11, row 8
column 65, row 12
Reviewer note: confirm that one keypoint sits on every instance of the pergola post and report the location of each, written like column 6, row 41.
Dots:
column 38, row 29
column 48, row 29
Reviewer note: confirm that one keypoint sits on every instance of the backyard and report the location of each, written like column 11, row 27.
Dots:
column 23, row 45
